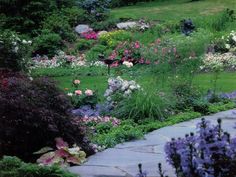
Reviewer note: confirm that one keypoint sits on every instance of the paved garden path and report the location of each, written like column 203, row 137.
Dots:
column 123, row 159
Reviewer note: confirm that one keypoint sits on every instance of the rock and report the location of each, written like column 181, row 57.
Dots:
column 101, row 33
column 83, row 29
column 126, row 25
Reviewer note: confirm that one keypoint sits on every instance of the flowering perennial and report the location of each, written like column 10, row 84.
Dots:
column 119, row 89
column 211, row 152
column 231, row 41
column 91, row 121
column 90, row 35
column 59, row 60
column 219, row 61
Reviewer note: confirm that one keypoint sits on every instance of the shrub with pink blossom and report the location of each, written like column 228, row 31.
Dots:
column 90, row 35
column 92, row 121
column 79, row 97
column 137, row 53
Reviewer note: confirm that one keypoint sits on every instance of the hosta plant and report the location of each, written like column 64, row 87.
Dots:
column 62, row 156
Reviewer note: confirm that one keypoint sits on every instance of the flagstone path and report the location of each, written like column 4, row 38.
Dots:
column 123, row 159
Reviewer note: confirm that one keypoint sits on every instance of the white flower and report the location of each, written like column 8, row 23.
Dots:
column 132, row 87
column 234, row 38
column 127, row 92
column 128, row 64
column 70, row 94
column 227, row 46
column 16, row 49
column 24, row 41
column 109, row 98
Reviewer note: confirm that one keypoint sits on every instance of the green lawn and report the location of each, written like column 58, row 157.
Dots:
column 173, row 9
column 226, row 82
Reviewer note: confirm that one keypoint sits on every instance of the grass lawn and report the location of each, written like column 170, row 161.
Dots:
column 173, row 9
column 225, row 83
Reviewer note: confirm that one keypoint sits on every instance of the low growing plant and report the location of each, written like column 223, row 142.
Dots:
column 14, row 167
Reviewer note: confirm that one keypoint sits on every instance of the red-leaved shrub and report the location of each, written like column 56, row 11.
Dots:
column 32, row 114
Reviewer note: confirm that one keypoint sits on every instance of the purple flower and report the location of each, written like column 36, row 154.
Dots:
column 210, row 152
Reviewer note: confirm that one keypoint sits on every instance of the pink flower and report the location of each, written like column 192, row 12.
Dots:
column 76, row 81
column 174, row 50
column 137, row 45
column 78, row 92
column 90, row 35
column 158, row 41
column 148, row 62
column 89, row 92
column 115, row 64
column 126, row 52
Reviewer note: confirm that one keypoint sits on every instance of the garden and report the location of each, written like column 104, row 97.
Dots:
column 78, row 77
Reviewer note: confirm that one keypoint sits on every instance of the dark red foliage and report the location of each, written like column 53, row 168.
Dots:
column 32, row 115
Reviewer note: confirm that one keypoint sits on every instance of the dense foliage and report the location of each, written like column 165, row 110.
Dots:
column 14, row 167
column 27, row 16
column 29, row 111
column 14, row 51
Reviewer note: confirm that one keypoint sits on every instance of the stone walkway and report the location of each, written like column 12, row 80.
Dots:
column 123, row 159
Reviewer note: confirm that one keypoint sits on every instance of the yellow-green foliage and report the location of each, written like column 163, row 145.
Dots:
column 111, row 39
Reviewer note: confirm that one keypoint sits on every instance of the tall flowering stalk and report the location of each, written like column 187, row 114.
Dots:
column 210, row 152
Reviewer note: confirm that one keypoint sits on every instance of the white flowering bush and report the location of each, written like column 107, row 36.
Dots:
column 231, row 41
column 59, row 60
column 14, row 51
column 62, row 60
column 119, row 89
column 217, row 61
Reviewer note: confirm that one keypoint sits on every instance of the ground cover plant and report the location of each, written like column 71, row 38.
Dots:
column 14, row 167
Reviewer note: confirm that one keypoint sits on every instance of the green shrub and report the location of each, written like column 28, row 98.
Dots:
column 217, row 107
column 93, row 53
column 14, row 167
column 193, row 45
column 120, row 134
column 59, row 24
column 14, row 51
column 73, row 15
column 143, row 105
column 185, row 94
column 83, row 44
column 27, row 16
column 219, row 22
column 96, row 10
column 105, row 25
column 47, row 44
column 111, row 39
column 201, row 105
